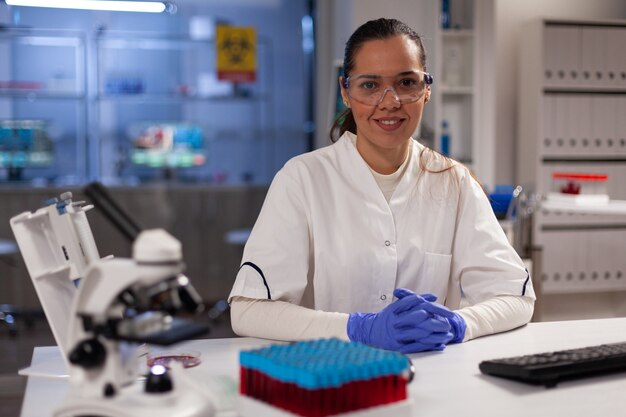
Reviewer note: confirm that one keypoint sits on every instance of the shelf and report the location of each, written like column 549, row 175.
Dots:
column 31, row 159
column 563, row 287
column 457, row 90
column 583, row 90
column 156, row 40
column 612, row 207
column 43, row 95
column 461, row 71
column 457, row 33
column 595, row 159
column 170, row 98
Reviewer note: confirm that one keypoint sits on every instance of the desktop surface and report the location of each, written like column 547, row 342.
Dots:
column 446, row 383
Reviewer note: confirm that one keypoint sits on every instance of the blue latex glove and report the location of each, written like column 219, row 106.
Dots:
column 387, row 329
column 439, row 314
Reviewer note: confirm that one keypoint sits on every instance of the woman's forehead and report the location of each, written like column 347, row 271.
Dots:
column 387, row 56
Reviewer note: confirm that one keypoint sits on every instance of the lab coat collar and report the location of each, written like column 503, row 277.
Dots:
column 360, row 175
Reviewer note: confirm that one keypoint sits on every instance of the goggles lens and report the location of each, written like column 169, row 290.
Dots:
column 370, row 89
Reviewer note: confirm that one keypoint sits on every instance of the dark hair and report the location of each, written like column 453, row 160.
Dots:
column 378, row 29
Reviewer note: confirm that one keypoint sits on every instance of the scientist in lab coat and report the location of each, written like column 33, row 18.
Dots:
column 376, row 238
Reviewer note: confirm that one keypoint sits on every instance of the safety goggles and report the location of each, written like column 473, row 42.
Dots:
column 370, row 89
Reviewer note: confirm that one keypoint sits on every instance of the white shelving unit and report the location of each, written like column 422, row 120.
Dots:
column 572, row 111
column 464, row 86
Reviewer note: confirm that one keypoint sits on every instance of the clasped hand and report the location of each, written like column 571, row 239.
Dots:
column 413, row 323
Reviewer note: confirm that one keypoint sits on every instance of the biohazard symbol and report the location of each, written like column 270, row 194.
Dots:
column 236, row 54
column 236, row 47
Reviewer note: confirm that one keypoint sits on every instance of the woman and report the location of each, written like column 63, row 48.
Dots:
column 346, row 228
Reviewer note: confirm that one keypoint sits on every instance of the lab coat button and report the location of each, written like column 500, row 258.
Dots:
column 383, row 297
column 387, row 243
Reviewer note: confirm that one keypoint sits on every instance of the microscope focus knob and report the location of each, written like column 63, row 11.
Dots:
column 158, row 380
column 88, row 354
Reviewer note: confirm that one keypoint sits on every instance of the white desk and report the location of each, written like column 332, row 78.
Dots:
column 446, row 384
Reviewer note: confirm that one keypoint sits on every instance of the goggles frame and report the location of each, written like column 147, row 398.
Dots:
column 427, row 79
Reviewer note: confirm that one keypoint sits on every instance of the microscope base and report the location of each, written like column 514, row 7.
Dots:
column 134, row 402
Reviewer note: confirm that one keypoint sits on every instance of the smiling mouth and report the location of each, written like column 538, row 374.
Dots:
column 389, row 124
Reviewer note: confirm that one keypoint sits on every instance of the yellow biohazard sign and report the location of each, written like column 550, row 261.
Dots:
column 236, row 53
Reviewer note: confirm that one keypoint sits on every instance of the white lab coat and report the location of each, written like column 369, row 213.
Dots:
column 326, row 238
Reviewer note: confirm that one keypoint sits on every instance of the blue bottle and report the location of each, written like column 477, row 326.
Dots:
column 445, row 138
column 444, row 18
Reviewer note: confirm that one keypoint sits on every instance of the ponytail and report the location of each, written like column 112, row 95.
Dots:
column 343, row 123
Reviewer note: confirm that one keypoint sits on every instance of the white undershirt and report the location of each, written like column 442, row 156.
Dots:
column 280, row 320
column 388, row 183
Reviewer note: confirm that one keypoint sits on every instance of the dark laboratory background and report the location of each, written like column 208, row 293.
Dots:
column 133, row 100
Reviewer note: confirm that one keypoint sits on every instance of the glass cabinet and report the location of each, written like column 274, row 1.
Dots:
column 162, row 113
column 43, row 106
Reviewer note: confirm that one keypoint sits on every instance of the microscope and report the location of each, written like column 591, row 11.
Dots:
column 101, row 309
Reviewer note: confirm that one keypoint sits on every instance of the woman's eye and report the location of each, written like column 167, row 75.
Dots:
column 368, row 85
column 408, row 83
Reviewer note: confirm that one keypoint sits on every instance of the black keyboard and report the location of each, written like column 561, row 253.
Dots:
column 550, row 368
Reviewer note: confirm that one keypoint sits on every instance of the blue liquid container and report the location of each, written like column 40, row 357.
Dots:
column 444, row 18
column 445, row 138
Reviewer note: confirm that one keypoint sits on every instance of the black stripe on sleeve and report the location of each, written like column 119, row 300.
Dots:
column 523, row 287
column 257, row 269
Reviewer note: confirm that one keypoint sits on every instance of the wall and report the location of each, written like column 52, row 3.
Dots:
column 510, row 18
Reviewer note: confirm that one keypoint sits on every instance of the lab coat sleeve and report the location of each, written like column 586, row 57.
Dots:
column 496, row 315
column 279, row 320
column 483, row 261
column 275, row 260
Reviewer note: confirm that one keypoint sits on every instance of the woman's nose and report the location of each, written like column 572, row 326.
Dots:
column 393, row 101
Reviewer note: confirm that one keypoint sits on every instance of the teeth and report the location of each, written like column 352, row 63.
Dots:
column 389, row 122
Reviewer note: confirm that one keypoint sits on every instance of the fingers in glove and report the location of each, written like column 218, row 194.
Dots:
column 436, row 324
column 411, row 335
column 411, row 318
column 419, row 347
column 435, row 308
column 400, row 293
column 437, row 338
column 407, row 303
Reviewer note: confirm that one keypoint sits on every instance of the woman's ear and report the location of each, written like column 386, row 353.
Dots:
column 427, row 98
column 344, row 94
